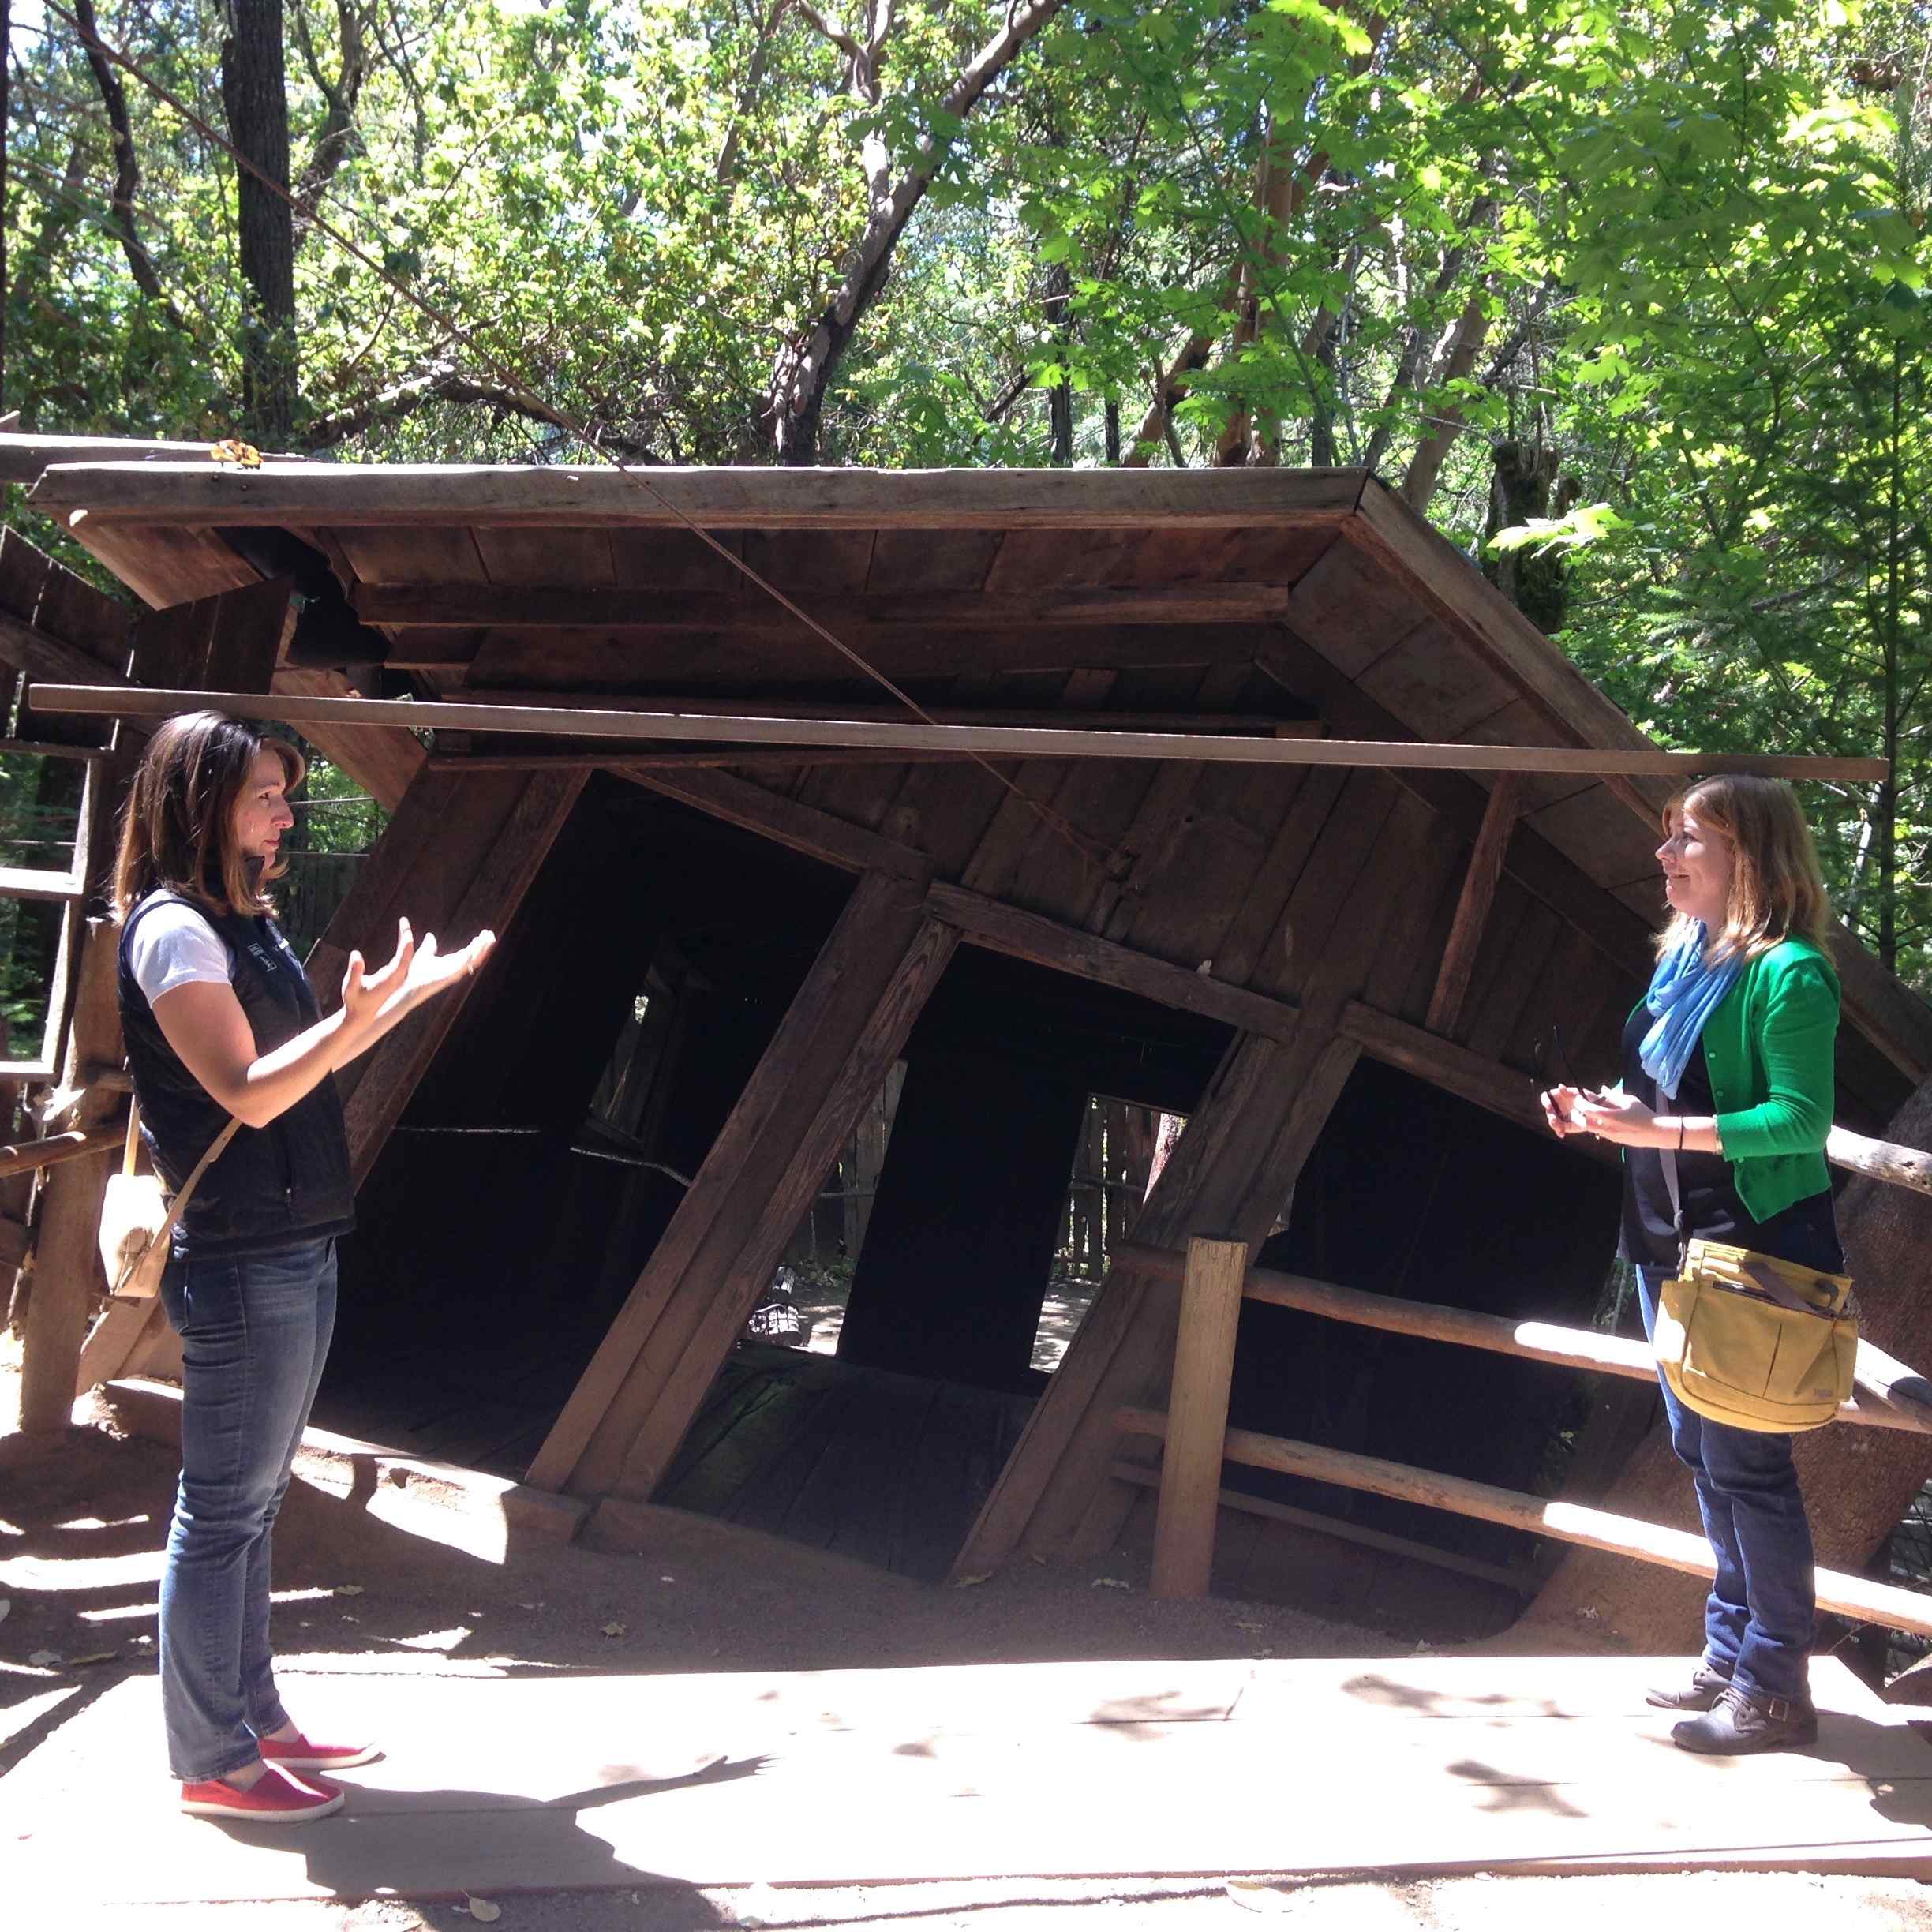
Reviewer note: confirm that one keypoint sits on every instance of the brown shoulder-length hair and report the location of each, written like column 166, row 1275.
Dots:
column 178, row 826
column 1777, row 891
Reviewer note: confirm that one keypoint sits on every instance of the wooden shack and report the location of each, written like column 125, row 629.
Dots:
column 1346, row 979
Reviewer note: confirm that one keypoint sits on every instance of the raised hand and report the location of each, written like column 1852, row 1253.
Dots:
column 416, row 971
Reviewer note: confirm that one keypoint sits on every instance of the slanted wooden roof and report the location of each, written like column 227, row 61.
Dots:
column 1156, row 594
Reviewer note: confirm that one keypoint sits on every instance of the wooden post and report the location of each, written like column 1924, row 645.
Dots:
column 844, row 1028
column 1197, row 1408
column 67, row 1274
column 1472, row 912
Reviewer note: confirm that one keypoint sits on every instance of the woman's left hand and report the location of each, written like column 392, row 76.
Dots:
column 1616, row 1117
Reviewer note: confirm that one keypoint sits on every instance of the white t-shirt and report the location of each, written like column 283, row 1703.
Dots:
column 175, row 946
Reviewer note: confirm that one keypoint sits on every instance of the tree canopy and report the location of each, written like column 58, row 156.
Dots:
column 1642, row 286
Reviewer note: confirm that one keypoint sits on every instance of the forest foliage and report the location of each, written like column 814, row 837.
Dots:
column 1642, row 285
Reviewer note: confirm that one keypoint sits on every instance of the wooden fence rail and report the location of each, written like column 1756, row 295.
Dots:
column 1887, row 1394
column 24, row 1156
column 1195, row 1439
column 1623, row 1536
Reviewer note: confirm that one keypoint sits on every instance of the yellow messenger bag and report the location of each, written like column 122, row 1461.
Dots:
column 1756, row 1342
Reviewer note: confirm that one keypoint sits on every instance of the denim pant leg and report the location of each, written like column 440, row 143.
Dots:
column 261, row 1702
column 254, row 1330
column 1759, row 1618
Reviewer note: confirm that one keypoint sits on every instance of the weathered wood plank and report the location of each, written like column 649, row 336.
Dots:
column 547, row 605
column 1623, row 936
column 1046, row 942
column 803, row 828
column 745, row 498
column 225, row 643
column 574, row 658
column 1472, row 912
column 988, row 741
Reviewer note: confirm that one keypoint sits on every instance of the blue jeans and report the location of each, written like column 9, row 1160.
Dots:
column 255, row 1333
column 1759, row 1618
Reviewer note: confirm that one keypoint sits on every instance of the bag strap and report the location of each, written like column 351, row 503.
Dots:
column 178, row 1205
column 1774, row 1284
column 1667, row 1156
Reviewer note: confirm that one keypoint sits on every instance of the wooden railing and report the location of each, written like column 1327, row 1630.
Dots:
column 1216, row 1278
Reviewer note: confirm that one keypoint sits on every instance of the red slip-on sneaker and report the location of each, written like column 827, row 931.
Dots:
column 274, row 1798
column 301, row 1753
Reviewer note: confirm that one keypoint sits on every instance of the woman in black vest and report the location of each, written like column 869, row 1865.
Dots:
column 220, row 1022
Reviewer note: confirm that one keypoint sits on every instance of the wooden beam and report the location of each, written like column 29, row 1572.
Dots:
column 1887, row 1394
column 1673, row 1549
column 1524, row 1582
column 731, row 499
column 19, row 882
column 989, row 740
column 1504, row 1091
column 1472, row 912
column 384, row 763
column 803, row 828
column 502, row 606
column 80, row 1143
column 29, row 747
column 1254, row 724
column 726, row 758
column 844, row 1029
column 1456, row 1070
column 1007, row 929
column 459, row 856
column 47, row 658
column 1213, row 1281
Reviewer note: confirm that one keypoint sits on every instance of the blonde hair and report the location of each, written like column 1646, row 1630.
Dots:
column 177, row 831
column 1777, row 891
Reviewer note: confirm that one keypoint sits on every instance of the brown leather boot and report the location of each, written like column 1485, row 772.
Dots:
column 1739, row 1723
column 1699, row 1694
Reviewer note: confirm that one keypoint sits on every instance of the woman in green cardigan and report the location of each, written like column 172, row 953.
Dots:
column 1728, row 1066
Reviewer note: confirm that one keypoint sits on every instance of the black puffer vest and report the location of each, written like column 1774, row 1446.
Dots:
column 273, row 1186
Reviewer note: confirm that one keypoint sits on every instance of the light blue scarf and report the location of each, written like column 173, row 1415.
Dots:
column 1684, row 992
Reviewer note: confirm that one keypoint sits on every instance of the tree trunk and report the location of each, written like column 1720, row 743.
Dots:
column 1535, row 580
column 1859, row 1483
column 1053, row 309
column 255, row 95
column 802, row 370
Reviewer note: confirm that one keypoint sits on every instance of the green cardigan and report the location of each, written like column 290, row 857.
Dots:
column 1769, row 1048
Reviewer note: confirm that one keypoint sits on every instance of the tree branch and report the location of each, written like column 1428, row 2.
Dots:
column 727, row 166
column 127, row 169
column 336, row 137
column 449, row 385
column 802, row 370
